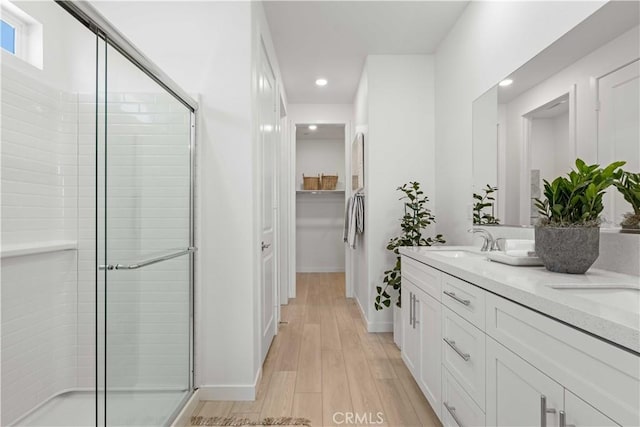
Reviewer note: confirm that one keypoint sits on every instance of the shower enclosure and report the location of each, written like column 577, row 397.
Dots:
column 97, row 267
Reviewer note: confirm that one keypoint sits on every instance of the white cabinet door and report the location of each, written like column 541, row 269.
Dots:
column 410, row 336
column 516, row 391
column 580, row 414
column 428, row 315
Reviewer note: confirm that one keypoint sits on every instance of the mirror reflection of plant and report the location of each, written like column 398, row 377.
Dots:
column 483, row 201
column 628, row 185
column 576, row 200
column 417, row 217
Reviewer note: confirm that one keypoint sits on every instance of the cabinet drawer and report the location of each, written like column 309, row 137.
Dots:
column 458, row 409
column 464, row 298
column 424, row 277
column 604, row 376
column 463, row 354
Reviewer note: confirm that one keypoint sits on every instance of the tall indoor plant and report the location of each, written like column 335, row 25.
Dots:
column 417, row 217
column 568, row 233
column 628, row 184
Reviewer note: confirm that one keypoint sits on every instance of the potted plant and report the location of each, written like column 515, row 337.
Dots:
column 568, row 233
column 629, row 186
column 417, row 217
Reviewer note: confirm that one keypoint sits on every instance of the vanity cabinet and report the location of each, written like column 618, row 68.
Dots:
column 422, row 332
column 481, row 359
column 421, row 347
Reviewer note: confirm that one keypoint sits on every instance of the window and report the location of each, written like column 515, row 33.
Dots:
column 8, row 37
column 21, row 34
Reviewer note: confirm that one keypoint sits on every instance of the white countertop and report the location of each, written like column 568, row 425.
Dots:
column 528, row 286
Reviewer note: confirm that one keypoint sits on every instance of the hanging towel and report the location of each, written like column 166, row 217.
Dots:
column 359, row 208
column 347, row 220
column 354, row 218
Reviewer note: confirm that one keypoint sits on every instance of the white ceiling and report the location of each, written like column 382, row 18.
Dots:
column 331, row 39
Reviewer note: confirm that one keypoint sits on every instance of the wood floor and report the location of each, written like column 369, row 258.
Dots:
column 323, row 362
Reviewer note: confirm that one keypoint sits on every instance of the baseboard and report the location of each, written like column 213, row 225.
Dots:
column 320, row 270
column 184, row 417
column 380, row 326
column 374, row 326
column 231, row 392
column 362, row 312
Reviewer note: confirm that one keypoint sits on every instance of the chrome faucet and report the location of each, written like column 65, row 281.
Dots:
column 490, row 244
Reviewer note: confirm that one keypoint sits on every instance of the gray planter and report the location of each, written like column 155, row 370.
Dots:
column 568, row 250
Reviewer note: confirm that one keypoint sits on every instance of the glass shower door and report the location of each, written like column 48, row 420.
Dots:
column 144, row 232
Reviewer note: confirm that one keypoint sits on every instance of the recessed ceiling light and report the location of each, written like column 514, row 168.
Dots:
column 505, row 82
column 313, row 127
column 321, row 82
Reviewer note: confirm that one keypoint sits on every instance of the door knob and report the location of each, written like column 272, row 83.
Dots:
column 265, row 246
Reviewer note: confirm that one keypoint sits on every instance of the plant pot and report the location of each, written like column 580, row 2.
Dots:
column 631, row 221
column 567, row 249
column 397, row 326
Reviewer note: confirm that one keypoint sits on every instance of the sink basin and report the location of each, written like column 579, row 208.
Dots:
column 624, row 297
column 454, row 253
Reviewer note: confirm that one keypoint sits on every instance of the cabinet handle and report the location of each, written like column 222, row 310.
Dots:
column 411, row 309
column 452, row 411
column 457, row 298
column 415, row 316
column 452, row 344
column 544, row 411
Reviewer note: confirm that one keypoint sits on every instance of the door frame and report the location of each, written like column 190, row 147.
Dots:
column 525, row 155
column 291, row 199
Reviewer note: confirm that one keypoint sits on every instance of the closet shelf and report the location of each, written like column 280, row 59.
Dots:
column 320, row 191
column 8, row 251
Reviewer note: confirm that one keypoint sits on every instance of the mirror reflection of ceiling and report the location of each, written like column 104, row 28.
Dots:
column 611, row 21
column 553, row 109
column 322, row 131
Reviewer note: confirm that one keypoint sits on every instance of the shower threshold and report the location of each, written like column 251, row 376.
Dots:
column 124, row 408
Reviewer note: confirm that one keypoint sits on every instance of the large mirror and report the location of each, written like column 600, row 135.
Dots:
column 580, row 97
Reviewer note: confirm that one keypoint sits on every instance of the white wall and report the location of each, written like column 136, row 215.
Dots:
column 397, row 109
column 489, row 41
column 319, row 226
column 359, row 273
column 320, row 156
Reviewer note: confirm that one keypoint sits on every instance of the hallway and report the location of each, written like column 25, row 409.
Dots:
column 323, row 363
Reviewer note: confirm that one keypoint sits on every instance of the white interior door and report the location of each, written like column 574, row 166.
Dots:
column 268, row 141
column 619, row 129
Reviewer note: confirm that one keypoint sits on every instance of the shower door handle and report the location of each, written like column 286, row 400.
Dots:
column 147, row 262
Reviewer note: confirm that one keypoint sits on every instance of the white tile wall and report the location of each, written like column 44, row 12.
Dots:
column 147, row 203
column 39, row 190
column 49, row 193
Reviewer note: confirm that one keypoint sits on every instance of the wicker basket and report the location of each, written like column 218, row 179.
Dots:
column 329, row 182
column 310, row 182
